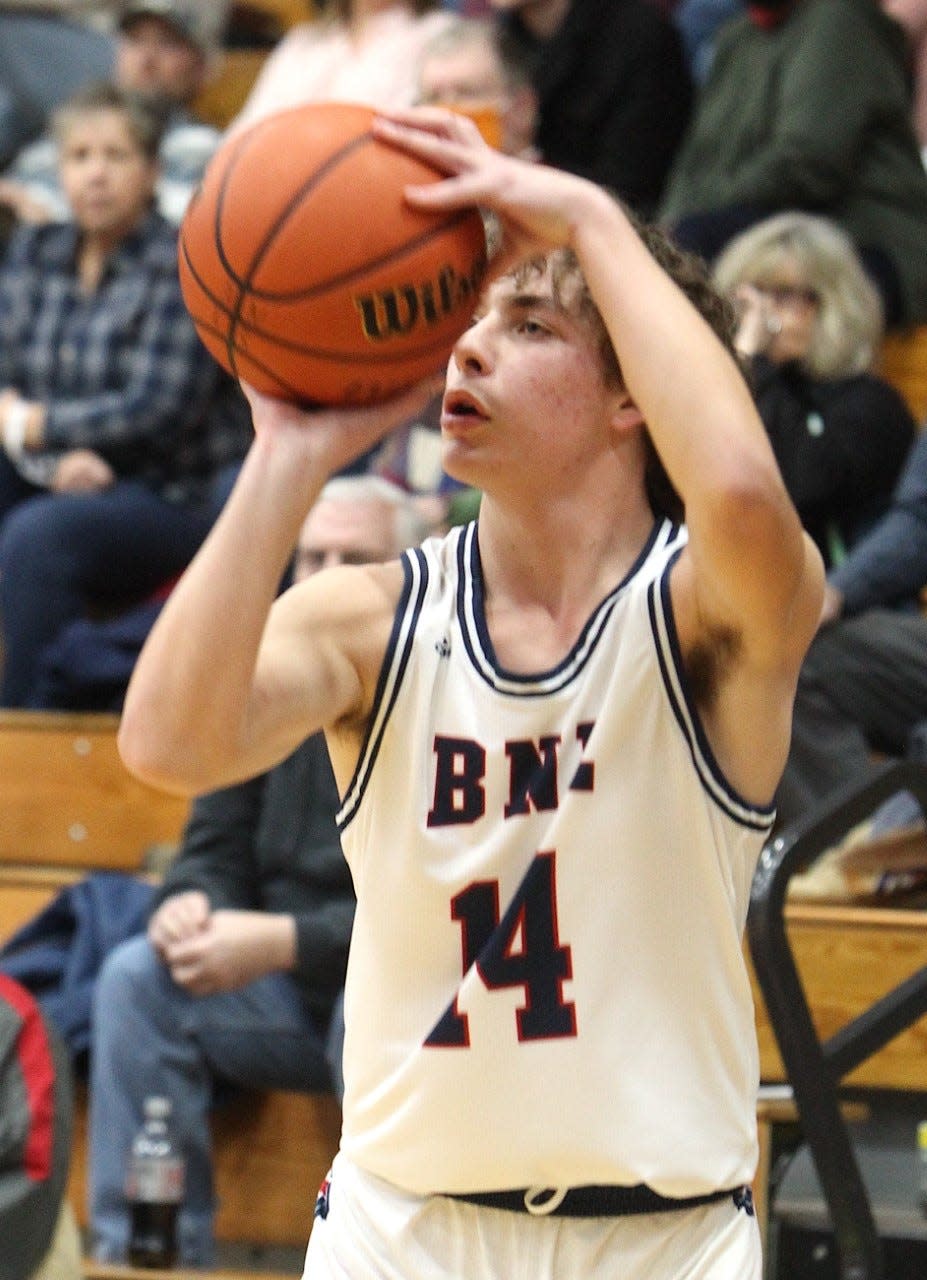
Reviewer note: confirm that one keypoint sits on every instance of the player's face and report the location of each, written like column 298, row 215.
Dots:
column 525, row 389
column 107, row 177
column 343, row 532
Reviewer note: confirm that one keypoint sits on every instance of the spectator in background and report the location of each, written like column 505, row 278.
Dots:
column 863, row 685
column 699, row 22
column 613, row 87
column 810, row 328
column 238, row 982
column 807, row 106
column 469, row 68
column 356, row 51
column 912, row 15
column 165, row 51
column 114, row 421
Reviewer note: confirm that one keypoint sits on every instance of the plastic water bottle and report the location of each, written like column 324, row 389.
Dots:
column 154, row 1188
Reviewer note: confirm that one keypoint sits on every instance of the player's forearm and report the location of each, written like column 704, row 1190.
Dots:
column 693, row 399
column 687, row 386
column 184, row 724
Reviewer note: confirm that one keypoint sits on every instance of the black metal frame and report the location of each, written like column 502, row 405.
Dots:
column 815, row 1069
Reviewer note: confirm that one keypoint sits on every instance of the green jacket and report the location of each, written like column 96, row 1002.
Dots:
column 814, row 114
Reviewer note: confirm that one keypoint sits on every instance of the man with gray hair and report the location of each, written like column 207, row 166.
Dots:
column 469, row 68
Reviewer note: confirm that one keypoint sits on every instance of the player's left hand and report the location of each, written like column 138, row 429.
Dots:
column 538, row 207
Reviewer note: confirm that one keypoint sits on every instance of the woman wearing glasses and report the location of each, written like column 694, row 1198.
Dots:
column 809, row 328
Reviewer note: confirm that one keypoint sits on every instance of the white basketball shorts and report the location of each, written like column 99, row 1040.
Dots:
column 373, row 1231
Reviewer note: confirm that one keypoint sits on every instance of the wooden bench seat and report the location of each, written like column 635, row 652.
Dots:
column 848, row 957
column 69, row 807
column 903, row 363
column 68, row 800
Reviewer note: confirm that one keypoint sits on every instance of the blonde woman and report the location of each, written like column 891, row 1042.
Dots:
column 809, row 328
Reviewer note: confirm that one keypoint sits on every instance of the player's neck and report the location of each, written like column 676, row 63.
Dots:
column 564, row 556
column 543, row 584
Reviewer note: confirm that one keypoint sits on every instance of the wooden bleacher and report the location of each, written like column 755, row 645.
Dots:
column 258, row 24
column 848, row 957
column 903, row 363
column 69, row 808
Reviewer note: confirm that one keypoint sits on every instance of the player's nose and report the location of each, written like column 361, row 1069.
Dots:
column 473, row 349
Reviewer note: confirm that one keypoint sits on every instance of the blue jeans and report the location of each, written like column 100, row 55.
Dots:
column 150, row 1036
column 60, row 553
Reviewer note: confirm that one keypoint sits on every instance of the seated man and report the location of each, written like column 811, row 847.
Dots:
column 238, row 982
column 613, row 87
column 470, row 68
column 863, row 685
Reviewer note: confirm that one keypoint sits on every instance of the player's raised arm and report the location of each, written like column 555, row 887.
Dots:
column 229, row 682
column 747, row 590
column 752, row 559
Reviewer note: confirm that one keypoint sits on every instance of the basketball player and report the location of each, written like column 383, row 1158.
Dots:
column 556, row 734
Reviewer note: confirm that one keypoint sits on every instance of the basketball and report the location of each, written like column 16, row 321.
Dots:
column 306, row 273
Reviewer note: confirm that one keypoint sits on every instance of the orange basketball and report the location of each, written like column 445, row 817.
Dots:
column 308, row 275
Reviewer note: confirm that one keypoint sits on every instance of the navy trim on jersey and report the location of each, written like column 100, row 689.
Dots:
column 472, row 618
column 395, row 661
column 672, row 668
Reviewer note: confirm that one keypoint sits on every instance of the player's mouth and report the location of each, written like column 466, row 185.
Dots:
column 461, row 410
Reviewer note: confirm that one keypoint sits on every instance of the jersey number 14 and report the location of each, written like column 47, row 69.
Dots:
column 520, row 949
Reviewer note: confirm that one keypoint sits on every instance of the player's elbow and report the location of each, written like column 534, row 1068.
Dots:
column 153, row 756
column 753, row 512
column 749, row 492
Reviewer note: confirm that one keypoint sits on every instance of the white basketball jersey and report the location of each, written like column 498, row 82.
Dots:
column 546, row 985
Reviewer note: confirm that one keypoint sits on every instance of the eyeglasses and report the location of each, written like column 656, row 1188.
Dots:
column 790, row 294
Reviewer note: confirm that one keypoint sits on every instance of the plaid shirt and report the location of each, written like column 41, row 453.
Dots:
column 120, row 370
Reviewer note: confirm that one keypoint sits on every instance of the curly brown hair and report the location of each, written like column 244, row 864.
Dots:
column 691, row 274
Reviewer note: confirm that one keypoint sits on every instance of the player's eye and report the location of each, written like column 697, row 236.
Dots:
column 532, row 328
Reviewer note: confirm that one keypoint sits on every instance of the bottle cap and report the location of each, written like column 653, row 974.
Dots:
column 157, row 1107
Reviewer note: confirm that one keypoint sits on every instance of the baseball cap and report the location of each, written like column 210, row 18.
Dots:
column 36, row 1118
column 197, row 21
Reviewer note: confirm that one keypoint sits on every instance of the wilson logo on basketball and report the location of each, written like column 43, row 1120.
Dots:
column 395, row 312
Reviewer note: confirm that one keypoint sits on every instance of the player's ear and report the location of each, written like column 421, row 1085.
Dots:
column 625, row 415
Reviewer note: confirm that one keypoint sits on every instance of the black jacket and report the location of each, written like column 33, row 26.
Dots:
column 840, row 445
column 271, row 844
column 615, row 94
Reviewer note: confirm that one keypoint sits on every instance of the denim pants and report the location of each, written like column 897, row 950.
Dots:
column 150, row 1036
column 60, row 553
